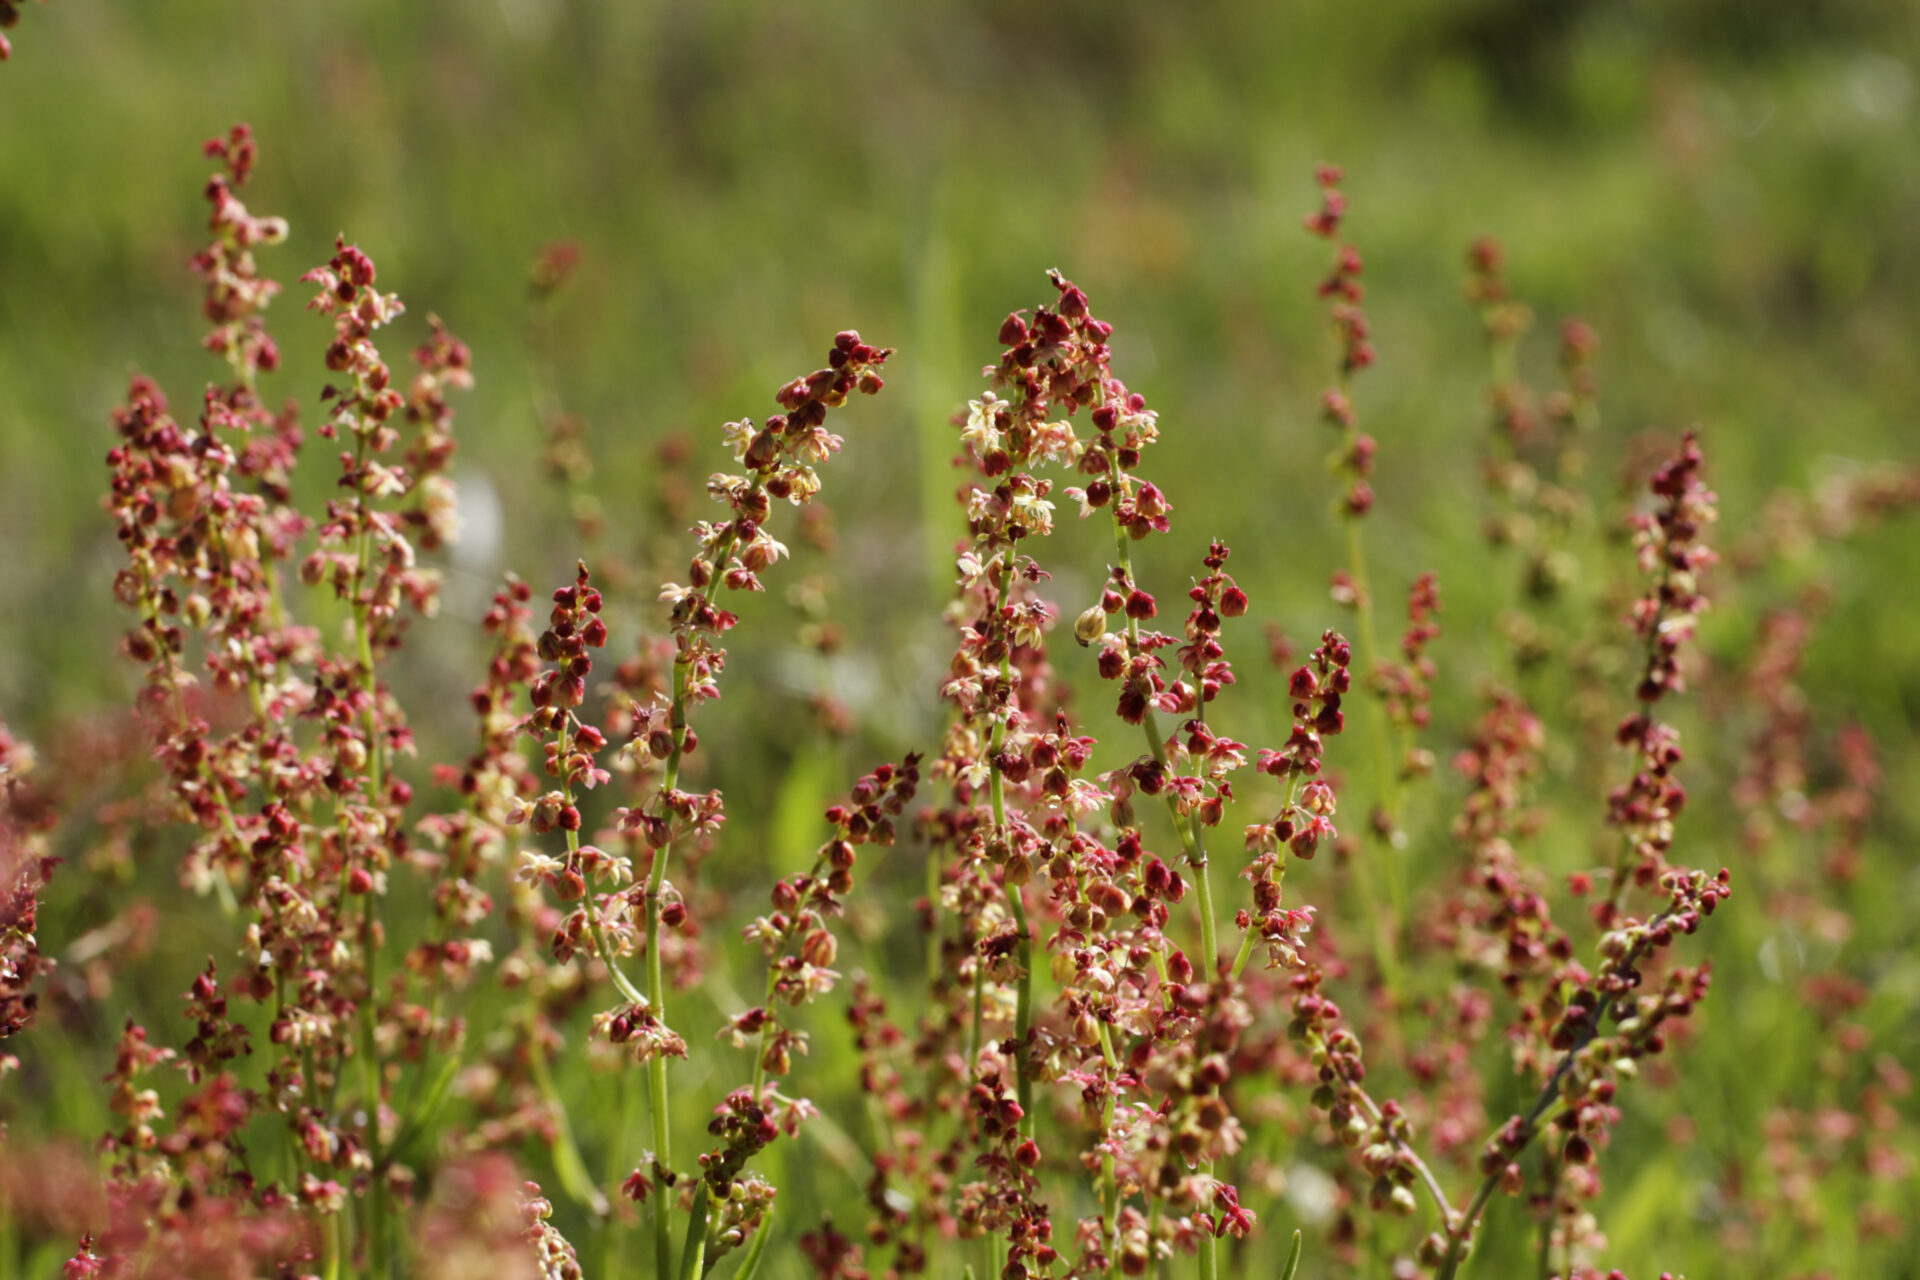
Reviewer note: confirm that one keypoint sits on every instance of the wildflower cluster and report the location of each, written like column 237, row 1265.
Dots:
column 1143, row 1031
column 26, row 867
column 301, row 812
column 1344, row 295
column 1671, row 553
column 1407, row 685
column 804, row 907
column 1072, row 1076
column 1537, row 450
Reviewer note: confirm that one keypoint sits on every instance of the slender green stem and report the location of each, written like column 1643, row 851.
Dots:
column 567, row 1161
column 1109, row 1181
column 655, row 998
column 370, row 1084
column 1023, row 1009
column 1209, row 1256
column 657, row 1100
column 1016, row 906
column 693, row 1252
column 362, row 606
column 1248, row 939
column 1383, row 924
column 1242, row 956
column 979, row 1001
column 334, row 1245
column 1209, row 929
column 657, row 1075
column 933, row 916
column 1543, row 1263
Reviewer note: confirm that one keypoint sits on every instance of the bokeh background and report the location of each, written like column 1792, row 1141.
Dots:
column 1726, row 189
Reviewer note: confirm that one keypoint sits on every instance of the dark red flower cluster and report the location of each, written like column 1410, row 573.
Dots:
column 1673, row 556
column 1084, row 1043
column 27, row 815
column 1407, row 684
column 1344, row 293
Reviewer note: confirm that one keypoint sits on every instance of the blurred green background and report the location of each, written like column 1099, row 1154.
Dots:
column 1728, row 190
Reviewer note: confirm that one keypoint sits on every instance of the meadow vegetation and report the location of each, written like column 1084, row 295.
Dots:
column 1272, row 759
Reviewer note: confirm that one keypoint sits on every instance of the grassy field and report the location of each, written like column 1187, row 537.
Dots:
column 1723, row 190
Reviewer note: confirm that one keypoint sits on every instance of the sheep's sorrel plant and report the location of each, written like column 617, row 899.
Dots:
column 1118, row 1032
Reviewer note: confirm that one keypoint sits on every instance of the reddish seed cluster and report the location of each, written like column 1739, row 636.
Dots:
column 27, row 815
column 552, row 1253
column 1504, row 320
column 1809, row 798
column 1579, row 349
column 1590, row 1029
column 236, row 293
column 1344, row 293
column 1670, row 552
column 365, row 552
column 1215, row 596
column 1532, row 473
column 804, row 907
column 282, row 755
column 1138, row 1081
column 202, row 514
column 617, row 907
column 1317, row 690
column 1407, row 685
column 1508, row 929
column 1673, row 556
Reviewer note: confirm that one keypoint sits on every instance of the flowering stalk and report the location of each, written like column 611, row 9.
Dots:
column 1669, row 549
column 350, row 539
column 779, row 457
column 1530, row 472
column 1139, row 1079
column 1582, row 1086
column 1120, row 976
column 1354, row 462
column 27, row 814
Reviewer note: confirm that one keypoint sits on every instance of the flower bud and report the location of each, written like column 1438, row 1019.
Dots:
column 1090, row 625
column 820, row 949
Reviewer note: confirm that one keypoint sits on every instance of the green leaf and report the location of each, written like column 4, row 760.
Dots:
column 1293, row 1258
column 693, row 1252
